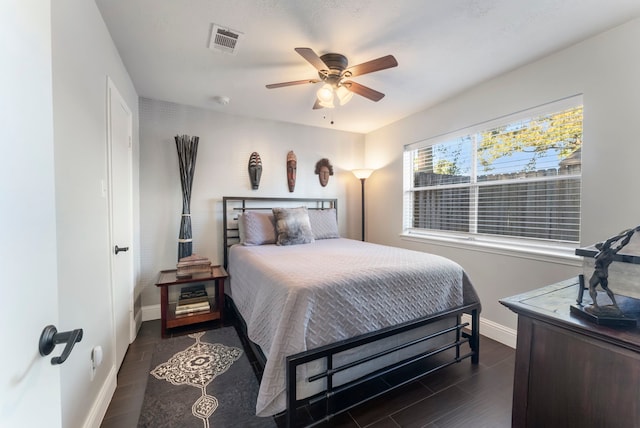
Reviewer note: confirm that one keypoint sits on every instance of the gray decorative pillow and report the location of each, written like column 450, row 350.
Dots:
column 257, row 228
column 324, row 223
column 241, row 228
column 292, row 226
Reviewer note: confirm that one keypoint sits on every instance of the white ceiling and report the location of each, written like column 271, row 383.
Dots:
column 442, row 47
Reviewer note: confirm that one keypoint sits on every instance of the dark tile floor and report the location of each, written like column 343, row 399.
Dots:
column 461, row 395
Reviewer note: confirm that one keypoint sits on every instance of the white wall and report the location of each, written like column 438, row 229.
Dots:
column 29, row 384
column 226, row 142
column 605, row 69
column 83, row 56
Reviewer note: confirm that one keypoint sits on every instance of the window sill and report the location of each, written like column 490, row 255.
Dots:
column 539, row 252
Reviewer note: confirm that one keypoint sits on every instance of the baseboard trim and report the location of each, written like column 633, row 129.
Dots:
column 135, row 325
column 100, row 406
column 495, row 331
column 151, row 312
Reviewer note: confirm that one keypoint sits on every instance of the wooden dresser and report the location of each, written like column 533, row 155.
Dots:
column 569, row 372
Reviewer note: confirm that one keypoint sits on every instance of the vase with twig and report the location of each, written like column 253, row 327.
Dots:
column 187, row 151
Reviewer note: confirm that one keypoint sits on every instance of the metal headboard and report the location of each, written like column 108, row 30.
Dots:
column 238, row 204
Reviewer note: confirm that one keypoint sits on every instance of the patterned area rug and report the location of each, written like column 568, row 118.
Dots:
column 201, row 380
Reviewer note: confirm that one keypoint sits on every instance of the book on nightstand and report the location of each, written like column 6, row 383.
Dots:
column 192, row 299
column 193, row 308
column 189, row 265
column 193, row 292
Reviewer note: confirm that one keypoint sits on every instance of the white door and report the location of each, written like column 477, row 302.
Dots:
column 119, row 136
column 29, row 384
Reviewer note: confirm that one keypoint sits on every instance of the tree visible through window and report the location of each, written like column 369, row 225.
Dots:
column 519, row 179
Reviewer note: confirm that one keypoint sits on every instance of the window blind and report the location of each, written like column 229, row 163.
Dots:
column 516, row 178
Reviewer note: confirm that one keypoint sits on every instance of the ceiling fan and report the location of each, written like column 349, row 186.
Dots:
column 333, row 71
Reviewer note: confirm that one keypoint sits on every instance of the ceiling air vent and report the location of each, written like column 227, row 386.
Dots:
column 224, row 39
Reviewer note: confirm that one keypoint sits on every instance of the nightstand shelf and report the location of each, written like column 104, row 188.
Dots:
column 167, row 278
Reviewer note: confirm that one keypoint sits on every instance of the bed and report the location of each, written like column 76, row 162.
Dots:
column 334, row 321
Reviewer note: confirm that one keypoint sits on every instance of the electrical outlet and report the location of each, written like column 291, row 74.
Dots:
column 96, row 360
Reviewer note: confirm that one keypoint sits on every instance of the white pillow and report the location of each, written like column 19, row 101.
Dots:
column 257, row 228
column 324, row 223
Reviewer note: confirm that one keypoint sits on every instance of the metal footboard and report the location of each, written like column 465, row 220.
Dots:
column 337, row 399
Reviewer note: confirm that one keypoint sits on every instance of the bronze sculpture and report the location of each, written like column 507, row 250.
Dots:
column 621, row 314
column 324, row 169
column 603, row 258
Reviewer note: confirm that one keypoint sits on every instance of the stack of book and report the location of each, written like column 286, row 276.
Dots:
column 192, row 299
column 192, row 264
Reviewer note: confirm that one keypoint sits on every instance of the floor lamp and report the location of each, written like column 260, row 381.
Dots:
column 362, row 174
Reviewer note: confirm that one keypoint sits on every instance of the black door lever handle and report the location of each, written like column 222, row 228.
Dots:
column 118, row 249
column 50, row 338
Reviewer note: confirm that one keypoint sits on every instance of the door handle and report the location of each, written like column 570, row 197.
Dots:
column 118, row 249
column 50, row 338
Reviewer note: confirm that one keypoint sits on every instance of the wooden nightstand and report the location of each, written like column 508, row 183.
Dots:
column 167, row 278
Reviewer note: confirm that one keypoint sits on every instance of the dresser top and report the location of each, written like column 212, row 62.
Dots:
column 551, row 304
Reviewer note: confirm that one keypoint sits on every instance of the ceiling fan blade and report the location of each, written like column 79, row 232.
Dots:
column 312, row 58
column 295, row 82
column 364, row 91
column 316, row 105
column 381, row 63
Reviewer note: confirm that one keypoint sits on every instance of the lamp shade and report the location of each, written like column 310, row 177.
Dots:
column 344, row 95
column 330, row 96
column 362, row 173
column 326, row 104
column 325, row 94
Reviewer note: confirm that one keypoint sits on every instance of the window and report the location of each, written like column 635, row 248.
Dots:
column 517, row 177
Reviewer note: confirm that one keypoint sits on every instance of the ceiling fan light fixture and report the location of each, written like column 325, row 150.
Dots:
column 326, row 104
column 325, row 95
column 337, row 90
column 344, row 95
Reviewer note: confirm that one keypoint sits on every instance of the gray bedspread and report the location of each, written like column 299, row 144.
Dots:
column 296, row 298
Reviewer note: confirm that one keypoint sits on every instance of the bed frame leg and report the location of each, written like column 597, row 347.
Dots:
column 475, row 336
column 291, row 394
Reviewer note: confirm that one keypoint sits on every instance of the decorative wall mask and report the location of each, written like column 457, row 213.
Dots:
column 324, row 169
column 255, row 170
column 292, row 165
